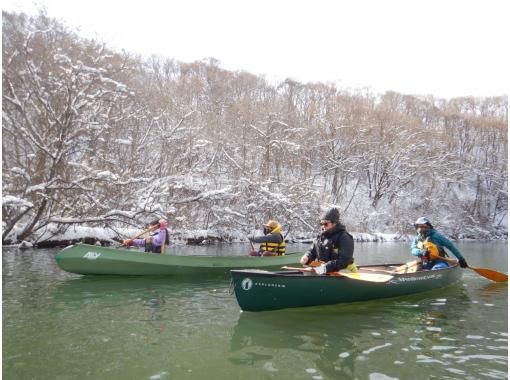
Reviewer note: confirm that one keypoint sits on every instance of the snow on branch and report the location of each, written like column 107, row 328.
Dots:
column 12, row 201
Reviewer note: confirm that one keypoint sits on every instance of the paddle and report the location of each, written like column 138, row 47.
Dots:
column 491, row 274
column 252, row 252
column 409, row 267
column 370, row 277
column 487, row 273
column 139, row 234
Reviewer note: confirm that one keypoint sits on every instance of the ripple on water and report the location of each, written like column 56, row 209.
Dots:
column 366, row 352
column 268, row 366
column 456, row 371
column 495, row 374
column 159, row 376
column 464, row 358
column 475, row 337
column 427, row 359
column 443, row 348
column 380, row 376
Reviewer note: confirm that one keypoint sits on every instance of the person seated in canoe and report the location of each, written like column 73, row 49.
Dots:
column 333, row 248
column 429, row 246
column 272, row 243
column 157, row 240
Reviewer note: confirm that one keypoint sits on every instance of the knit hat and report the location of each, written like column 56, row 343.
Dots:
column 332, row 214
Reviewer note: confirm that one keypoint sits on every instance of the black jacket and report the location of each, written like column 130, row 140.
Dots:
column 335, row 247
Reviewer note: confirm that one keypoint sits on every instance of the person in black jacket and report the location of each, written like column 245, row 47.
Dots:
column 333, row 248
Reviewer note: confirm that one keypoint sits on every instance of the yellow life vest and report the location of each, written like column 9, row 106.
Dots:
column 433, row 250
column 278, row 248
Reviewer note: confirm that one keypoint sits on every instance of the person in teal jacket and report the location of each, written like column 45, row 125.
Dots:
column 426, row 232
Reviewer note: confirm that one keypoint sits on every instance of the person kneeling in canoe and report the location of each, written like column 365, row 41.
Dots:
column 272, row 243
column 156, row 241
column 333, row 248
column 429, row 245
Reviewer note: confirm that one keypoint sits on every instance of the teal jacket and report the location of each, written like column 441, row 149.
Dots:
column 440, row 240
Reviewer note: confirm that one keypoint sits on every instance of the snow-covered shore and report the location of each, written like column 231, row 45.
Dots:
column 106, row 237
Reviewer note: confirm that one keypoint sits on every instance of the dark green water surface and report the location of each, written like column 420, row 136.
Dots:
column 58, row 325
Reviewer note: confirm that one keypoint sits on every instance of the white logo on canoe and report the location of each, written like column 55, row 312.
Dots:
column 246, row 284
column 91, row 255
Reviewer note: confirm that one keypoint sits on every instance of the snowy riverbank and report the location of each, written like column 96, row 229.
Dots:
column 107, row 237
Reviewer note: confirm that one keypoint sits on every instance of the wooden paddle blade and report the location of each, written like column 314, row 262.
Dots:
column 300, row 269
column 409, row 267
column 491, row 274
column 370, row 277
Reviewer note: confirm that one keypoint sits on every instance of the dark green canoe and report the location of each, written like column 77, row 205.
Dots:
column 90, row 259
column 259, row 290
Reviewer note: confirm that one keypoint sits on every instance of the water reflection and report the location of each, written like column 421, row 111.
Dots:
column 337, row 338
column 359, row 340
column 60, row 325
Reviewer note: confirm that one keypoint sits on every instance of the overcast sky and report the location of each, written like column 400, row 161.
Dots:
column 445, row 48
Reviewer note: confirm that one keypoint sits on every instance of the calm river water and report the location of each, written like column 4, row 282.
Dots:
column 58, row 325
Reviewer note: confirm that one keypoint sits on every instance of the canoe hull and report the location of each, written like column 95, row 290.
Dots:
column 257, row 290
column 89, row 259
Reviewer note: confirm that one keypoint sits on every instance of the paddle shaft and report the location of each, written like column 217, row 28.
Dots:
column 140, row 234
column 252, row 247
column 449, row 261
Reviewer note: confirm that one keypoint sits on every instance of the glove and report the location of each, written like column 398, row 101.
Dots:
column 321, row 269
column 304, row 260
column 163, row 224
column 127, row 242
column 463, row 263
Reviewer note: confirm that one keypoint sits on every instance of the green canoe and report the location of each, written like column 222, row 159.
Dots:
column 90, row 259
column 259, row 290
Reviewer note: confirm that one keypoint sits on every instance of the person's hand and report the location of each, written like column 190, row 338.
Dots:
column 321, row 269
column 463, row 263
column 304, row 260
column 425, row 253
column 127, row 242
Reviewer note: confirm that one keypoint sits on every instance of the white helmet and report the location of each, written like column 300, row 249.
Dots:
column 423, row 220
